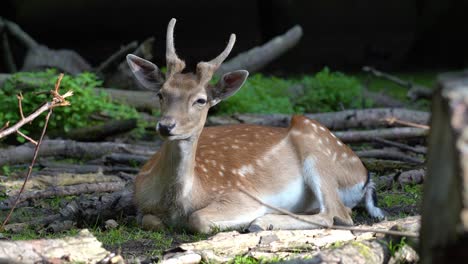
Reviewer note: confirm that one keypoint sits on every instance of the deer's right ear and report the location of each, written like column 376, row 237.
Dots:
column 146, row 72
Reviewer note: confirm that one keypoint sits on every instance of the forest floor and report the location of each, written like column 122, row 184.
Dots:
column 397, row 199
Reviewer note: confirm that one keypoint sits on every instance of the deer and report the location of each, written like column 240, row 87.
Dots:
column 224, row 177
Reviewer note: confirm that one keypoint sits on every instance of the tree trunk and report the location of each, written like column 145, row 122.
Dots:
column 444, row 236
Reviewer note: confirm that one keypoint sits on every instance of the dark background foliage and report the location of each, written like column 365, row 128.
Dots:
column 397, row 35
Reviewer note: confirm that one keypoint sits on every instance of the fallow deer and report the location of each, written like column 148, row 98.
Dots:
column 203, row 178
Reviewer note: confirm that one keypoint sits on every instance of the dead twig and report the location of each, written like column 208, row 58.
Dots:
column 400, row 146
column 394, row 120
column 387, row 154
column 56, row 101
column 415, row 90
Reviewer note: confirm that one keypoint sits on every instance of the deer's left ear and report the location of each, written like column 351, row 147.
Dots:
column 228, row 85
column 146, row 72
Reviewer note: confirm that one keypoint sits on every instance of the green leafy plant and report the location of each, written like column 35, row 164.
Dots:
column 395, row 247
column 330, row 91
column 325, row 91
column 84, row 103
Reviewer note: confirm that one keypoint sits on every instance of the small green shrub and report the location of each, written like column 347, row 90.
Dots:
column 330, row 91
column 325, row 91
column 84, row 102
column 260, row 94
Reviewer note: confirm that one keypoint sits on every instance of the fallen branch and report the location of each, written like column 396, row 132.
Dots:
column 58, row 191
column 415, row 90
column 7, row 54
column 116, row 58
column 363, row 118
column 100, row 132
column 71, row 149
column 386, row 133
column 401, row 146
column 141, row 100
column 258, row 57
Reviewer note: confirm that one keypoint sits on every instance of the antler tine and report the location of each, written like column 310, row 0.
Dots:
column 221, row 57
column 205, row 70
column 174, row 64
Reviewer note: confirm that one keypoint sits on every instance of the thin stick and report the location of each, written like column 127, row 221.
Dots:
column 26, row 137
column 400, row 145
column 36, row 151
column 7, row 124
column 20, row 105
column 58, row 100
column 393, row 120
column 349, row 228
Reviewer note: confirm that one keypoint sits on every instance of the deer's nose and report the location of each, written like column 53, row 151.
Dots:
column 165, row 126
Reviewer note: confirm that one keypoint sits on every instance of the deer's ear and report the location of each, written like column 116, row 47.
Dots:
column 228, row 85
column 145, row 72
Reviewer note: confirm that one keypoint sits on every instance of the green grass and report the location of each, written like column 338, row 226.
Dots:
column 409, row 195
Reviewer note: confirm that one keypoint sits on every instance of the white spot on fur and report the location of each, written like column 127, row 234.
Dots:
column 344, row 155
column 221, row 167
column 221, row 173
column 314, row 126
column 327, row 140
column 246, row 169
column 322, row 128
column 320, row 141
column 334, row 156
column 306, row 121
column 234, row 146
column 333, row 135
column 354, row 159
column 339, row 143
column 225, row 147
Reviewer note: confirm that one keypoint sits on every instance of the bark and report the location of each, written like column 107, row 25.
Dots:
column 419, row 150
column 258, row 57
column 71, row 149
column 65, row 191
column 141, row 100
column 444, row 231
column 101, row 132
column 364, row 118
column 386, row 133
column 412, row 177
column 83, row 248
column 294, row 244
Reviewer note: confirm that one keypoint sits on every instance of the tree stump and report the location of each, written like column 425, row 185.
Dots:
column 444, row 227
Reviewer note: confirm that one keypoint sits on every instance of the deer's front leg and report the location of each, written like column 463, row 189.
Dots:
column 230, row 212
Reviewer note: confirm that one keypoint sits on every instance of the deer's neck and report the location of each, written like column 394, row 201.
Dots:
column 178, row 163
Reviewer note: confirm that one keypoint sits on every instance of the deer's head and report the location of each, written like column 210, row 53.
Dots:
column 185, row 97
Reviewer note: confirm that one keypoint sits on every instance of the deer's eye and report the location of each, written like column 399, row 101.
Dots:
column 201, row 101
column 159, row 96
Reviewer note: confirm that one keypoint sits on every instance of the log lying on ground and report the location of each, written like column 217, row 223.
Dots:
column 58, row 191
column 101, row 132
column 258, row 57
column 292, row 244
column 366, row 118
column 70, row 148
column 141, row 100
column 83, row 248
column 386, row 133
